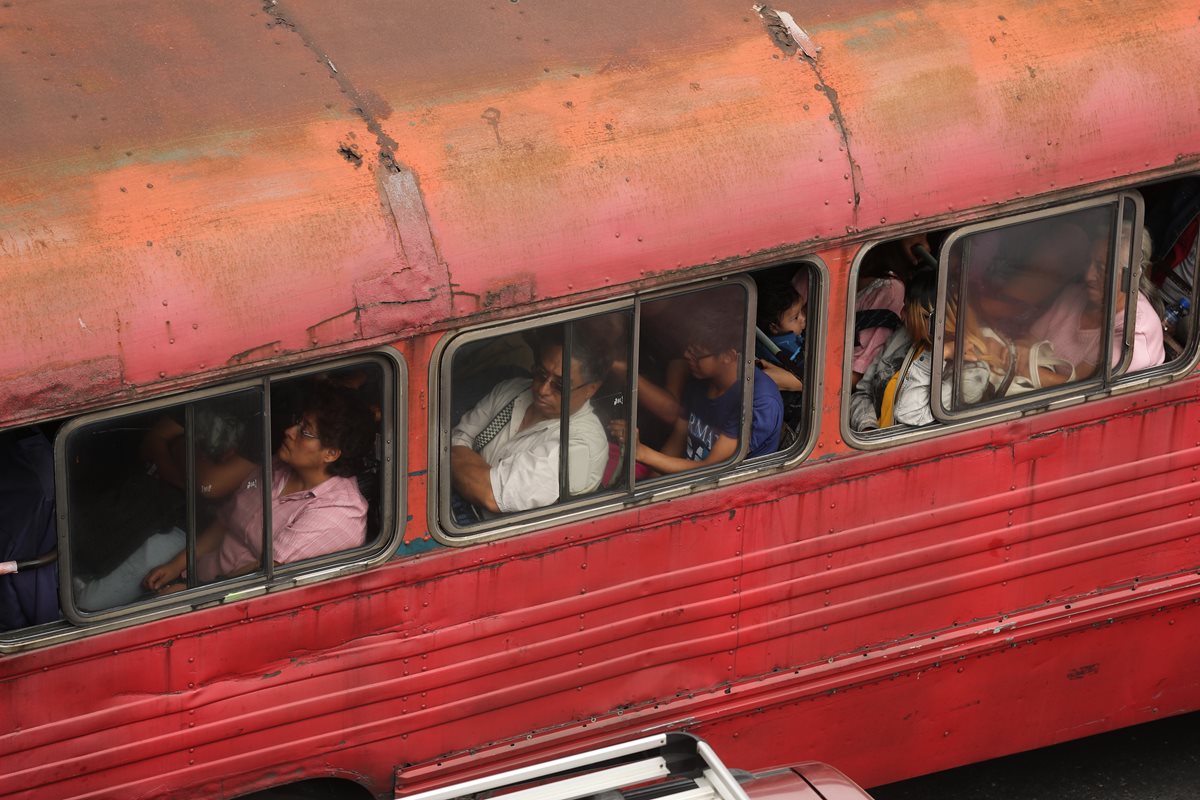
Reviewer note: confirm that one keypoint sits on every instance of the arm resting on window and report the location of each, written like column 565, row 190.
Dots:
column 472, row 478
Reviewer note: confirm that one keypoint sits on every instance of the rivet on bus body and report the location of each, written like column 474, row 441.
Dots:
column 162, row 374
column 883, row 220
column 191, row 724
column 824, row 627
column 164, row 302
column 172, row 341
column 191, row 659
column 617, row 235
column 820, row 158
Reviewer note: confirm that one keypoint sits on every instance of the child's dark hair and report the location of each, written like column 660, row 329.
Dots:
column 344, row 422
column 716, row 331
column 775, row 296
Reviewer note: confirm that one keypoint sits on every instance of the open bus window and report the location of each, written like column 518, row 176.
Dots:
column 892, row 333
column 1001, row 314
column 540, row 416
column 211, row 489
column 1032, row 305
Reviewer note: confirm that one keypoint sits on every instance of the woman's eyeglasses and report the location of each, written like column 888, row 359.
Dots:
column 304, row 429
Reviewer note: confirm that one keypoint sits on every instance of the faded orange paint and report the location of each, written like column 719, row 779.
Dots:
column 584, row 149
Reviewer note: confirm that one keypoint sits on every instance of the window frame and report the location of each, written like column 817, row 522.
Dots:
column 392, row 497
column 1042, row 398
column 442, row 526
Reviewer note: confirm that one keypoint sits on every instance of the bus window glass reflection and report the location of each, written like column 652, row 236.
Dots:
column 1037, row 304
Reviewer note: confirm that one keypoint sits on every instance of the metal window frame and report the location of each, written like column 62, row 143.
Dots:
column 379, row 549
column 1042, row 398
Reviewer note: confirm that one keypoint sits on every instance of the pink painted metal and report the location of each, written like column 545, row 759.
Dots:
column 195, row 190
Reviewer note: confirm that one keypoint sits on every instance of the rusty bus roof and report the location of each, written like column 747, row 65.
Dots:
column 190, row 188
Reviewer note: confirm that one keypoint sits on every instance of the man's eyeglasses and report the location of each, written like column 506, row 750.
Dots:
column 540, row 376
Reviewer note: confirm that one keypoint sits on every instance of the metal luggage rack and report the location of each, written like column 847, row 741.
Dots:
column 669, row 766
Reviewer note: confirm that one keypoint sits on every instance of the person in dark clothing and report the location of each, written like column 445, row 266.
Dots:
column 27, row 529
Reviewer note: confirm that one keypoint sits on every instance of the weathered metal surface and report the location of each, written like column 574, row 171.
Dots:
column 193, row 187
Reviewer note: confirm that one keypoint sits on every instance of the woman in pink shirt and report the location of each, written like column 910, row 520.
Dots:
column 1073, row 323
column 316, row 506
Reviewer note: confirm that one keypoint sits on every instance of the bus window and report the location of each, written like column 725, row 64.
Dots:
column 1044, row 303
column 516, row 396
column 175, row 497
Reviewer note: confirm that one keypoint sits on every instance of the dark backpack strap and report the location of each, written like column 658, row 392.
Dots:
column 874, row 318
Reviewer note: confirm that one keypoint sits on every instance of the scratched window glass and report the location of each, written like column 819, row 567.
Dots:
column 205, row 491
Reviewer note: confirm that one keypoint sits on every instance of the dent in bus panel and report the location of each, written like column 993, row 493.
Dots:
column 133, row 531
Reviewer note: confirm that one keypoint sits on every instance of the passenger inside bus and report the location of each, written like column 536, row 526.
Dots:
column 780, row 325
column 28, row 594
column 504, row 453
column 877, row 304
column 896, row 388
column 316, row 508
column 1074, row 321
column 708, row 428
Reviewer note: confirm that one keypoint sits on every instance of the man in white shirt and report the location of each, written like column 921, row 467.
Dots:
column 504, row 453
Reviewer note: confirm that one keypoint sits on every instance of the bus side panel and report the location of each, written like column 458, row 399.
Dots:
column 695, row 612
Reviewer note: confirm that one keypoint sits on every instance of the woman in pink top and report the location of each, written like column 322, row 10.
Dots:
column 316, row 506
column 1073, row 323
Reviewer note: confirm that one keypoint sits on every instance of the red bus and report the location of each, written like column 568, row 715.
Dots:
column 494, row 275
